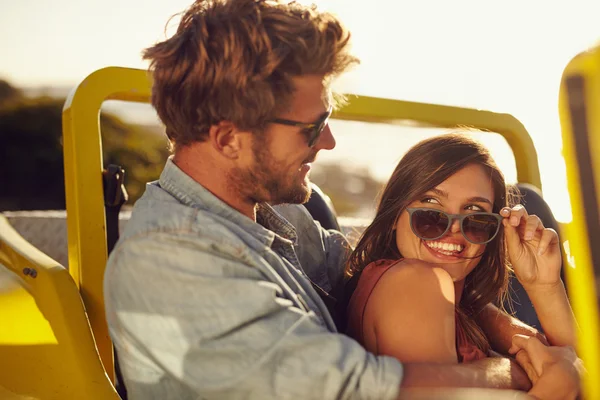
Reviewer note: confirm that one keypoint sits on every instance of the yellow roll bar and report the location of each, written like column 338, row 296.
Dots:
column 372, row 109
column 579, row 108
column 47, row 350
column 86, row 223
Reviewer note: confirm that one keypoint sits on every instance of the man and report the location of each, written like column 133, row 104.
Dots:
column 211, row 292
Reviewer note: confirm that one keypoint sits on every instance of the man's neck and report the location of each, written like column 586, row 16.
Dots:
column 205, row 170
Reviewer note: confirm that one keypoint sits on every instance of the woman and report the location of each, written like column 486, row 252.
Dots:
column 438, row 252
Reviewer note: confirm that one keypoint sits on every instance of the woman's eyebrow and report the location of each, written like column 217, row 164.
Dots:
column 478, row 199
column 440, row 192
column 475, row 199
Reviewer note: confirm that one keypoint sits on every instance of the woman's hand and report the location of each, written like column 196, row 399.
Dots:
column 554, row 371
column 534, row 250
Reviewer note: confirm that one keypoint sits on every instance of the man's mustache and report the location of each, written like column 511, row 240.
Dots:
column 310, row 159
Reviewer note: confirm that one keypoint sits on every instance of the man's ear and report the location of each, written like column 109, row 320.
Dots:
column 226, row 139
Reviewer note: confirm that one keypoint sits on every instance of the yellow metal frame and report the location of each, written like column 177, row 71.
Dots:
column 373, row 109
column 579, row 107
column 83, row 164
column 86, row 224
column 47, row 350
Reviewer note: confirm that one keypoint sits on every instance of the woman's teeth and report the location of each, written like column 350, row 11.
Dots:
column 446, row 248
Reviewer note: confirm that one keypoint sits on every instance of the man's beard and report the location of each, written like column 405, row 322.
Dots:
column 268, row 181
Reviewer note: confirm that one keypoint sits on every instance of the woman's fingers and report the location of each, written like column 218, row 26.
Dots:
column 522, row 358
column 514, row 215
column 512, row 236
column 549, row 238
column 537, row 352
column 519, row 225
column 533, row 223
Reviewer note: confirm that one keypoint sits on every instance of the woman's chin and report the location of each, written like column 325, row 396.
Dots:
column 455, row 266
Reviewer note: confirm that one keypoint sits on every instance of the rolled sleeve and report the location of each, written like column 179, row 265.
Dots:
column 218, row 328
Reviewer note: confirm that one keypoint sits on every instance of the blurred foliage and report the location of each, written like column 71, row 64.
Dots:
column 31, row 158
column 8, row 92
column 31, row 171
column 141, row 152
column 353, row 191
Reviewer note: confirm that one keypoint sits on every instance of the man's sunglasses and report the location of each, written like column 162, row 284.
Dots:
column 477, row 227
column 311, row 130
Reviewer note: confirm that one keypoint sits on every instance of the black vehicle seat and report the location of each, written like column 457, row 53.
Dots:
column 321, row 208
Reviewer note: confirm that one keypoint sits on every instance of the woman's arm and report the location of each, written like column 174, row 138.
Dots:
column 554, row 312
column 500, row 327
column 534, row 252
column 411, row 314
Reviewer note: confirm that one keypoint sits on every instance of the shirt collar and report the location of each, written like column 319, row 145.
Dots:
column 270, row 224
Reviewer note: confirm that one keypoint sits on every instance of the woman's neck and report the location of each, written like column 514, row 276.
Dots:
column 458, row 289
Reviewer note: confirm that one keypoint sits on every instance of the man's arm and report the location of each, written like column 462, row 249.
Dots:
column 499, row 327
column 222, row 328
column 180, row 314
column 491, row 373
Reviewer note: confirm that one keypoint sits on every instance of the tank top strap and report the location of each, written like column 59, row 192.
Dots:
column 357, row 305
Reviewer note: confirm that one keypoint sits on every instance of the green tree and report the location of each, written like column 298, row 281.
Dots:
column 31, row 154
column 142, row 153
column 31, row 165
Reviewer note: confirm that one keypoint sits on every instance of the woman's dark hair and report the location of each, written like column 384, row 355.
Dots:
column 424, row 167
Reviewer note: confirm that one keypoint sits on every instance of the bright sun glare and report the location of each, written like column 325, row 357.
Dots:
column 501, row 56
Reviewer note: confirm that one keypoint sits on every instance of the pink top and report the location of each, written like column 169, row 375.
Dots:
column 465, row 350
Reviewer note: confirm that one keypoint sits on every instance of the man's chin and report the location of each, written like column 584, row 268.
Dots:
column 306, row 189
column 298, row 194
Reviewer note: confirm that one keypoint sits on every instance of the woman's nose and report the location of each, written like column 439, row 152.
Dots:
column 455, row 227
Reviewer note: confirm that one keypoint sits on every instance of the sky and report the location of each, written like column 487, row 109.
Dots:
column 503, row 56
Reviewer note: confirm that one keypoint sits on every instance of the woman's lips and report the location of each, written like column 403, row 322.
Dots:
column 443, row 254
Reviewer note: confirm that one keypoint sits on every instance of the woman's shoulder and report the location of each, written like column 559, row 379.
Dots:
column 412, row 285
column 415, row 276
column 411, row 313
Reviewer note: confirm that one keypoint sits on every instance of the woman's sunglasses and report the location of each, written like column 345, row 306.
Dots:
column 477, row 227
column 311, row 130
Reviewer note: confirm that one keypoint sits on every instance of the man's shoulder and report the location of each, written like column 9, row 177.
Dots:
column 159, row 211
column 158, row 216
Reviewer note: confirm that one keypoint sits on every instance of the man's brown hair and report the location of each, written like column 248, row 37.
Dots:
column 234, row 60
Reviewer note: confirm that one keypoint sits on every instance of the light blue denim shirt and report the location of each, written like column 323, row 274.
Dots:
column 204, row 303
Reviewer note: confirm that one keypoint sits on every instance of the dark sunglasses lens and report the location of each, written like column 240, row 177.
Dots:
column 480, row 228
column 315, row 133
column 429, row 224
column 317, row 130
column 312, row 134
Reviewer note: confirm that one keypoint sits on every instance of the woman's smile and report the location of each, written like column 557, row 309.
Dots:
column 444, row 248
